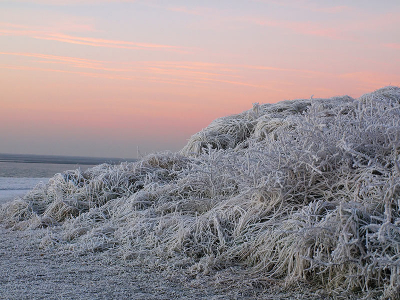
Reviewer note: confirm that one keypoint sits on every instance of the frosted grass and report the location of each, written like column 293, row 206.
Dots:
column 303, row 190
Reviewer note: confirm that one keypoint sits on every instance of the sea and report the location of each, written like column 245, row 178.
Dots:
column 19, row 173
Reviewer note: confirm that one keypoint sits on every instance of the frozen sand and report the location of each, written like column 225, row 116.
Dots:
column 31, row 273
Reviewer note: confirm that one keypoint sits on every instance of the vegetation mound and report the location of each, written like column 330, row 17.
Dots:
column 297, row 190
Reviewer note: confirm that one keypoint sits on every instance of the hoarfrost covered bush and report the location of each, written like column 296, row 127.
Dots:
column 303, row 189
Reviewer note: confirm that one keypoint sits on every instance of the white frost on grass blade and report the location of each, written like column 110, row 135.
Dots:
column 298, row 190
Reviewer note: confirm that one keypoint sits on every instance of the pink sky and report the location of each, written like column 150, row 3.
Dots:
column 104, row 78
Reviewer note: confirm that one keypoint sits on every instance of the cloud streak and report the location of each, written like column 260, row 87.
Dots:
column 21, row 30
column 98, row 42
column 66, row 59
column 188, row 73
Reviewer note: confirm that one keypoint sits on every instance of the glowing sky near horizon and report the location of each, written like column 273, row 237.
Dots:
column 108, row 77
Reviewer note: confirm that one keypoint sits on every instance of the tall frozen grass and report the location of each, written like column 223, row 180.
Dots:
column 297, row 190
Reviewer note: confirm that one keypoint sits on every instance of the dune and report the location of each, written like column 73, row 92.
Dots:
column 297, row 191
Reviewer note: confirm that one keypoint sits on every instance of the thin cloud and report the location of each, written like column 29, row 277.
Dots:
column 71, row 24
column 226, row 68
column 184, row 80
column 66, row 59
column 83, row 66
column 69, row 61
column 23, row 30
column 266, row 68
column 184, row 72
column 88, row 74
column 82, row 42
column 96, row 42
column 174, row 81
column 18, row 32
column 106, row 42
column 178, row 72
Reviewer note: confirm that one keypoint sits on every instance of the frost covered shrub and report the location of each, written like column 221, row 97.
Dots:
column 297, row 190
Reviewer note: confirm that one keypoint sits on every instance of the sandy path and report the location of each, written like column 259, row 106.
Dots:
column 30, row 273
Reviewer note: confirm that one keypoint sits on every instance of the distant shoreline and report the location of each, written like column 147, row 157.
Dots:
column 58, row 159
